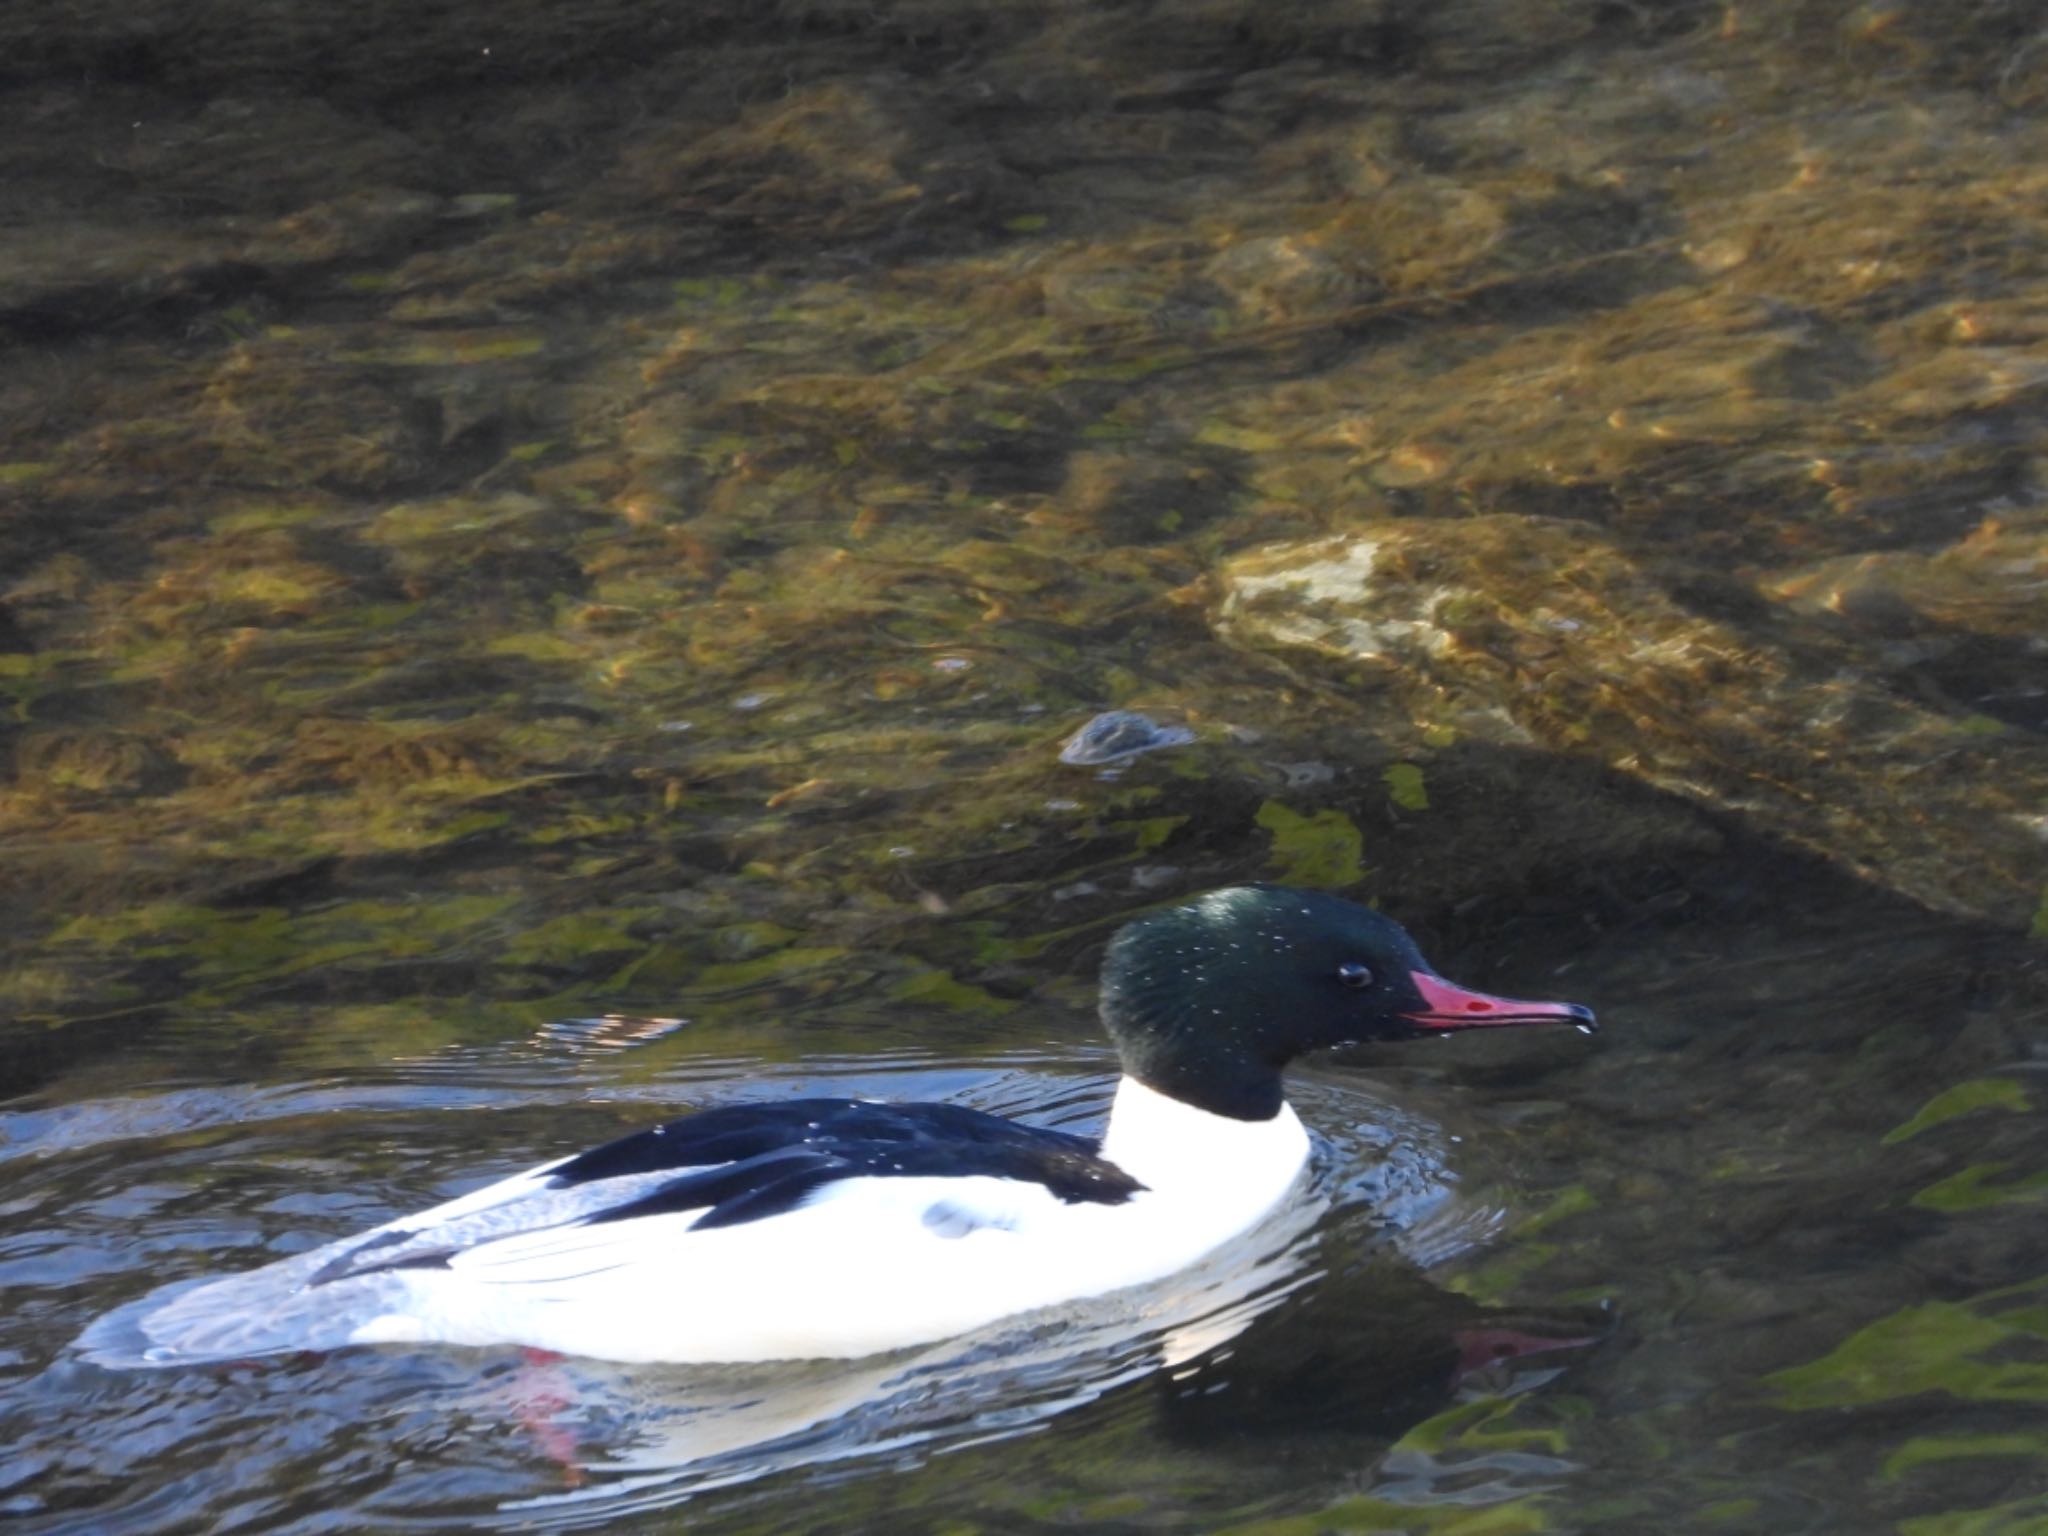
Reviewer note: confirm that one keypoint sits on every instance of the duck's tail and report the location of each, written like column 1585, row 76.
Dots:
column 278, row 1309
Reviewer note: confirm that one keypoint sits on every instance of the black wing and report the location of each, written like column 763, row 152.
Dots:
column 744, row 1162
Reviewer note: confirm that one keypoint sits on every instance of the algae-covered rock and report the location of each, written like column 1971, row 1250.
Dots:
column 1132, row 498
column 1283, row 277
column 90, row 764
column 285, row 410
column 1523, row 630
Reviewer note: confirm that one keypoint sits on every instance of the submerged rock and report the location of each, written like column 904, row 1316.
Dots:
column 1968, row 622
column 1120, row 733
column 1525, row 630
column 1282, row 277
column 1994, row 582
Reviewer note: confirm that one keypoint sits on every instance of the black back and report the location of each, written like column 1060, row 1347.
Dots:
column 743, row 1162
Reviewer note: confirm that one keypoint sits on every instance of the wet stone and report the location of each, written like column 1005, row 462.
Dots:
column 1282, row 277
column 1536, row 631
column 1118, row 734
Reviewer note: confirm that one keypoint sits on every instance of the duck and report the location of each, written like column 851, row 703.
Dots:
column 837, row 1228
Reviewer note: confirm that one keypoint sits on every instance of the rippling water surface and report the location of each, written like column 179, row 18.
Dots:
column 560, row 564
column 473, row 1437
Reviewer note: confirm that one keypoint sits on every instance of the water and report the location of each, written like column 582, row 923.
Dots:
column 547, row 560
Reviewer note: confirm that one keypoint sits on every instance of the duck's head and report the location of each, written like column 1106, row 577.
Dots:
column 1207, row 1001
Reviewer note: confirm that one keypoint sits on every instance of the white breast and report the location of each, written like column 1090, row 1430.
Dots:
column 1175, row 1148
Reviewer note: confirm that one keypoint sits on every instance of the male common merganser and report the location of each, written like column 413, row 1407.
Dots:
column 842, row 1227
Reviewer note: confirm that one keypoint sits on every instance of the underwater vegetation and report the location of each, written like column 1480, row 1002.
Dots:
column 523, row 513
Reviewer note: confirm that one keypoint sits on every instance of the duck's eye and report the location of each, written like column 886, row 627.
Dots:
column 1354, row 975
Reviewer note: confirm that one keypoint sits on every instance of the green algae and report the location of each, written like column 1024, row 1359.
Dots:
column 1961, row 1099
column 795, row 963
column 1223, row 434
column 1972, row 1189
column 1323, row 848
column 1935, row 1347
column 717, row 292
column 2022, row 1517
column 264, row 517
column 227, row 954
column 1498, row 1278
column 1923, row 1450
column 1482, row 1425
column 1515, row 1517
column 941, row 989
column 1572, row 1200
column 737, row 941
column 1149, row 833
column 1405, row 786
column 452, row 350
column 572, row 938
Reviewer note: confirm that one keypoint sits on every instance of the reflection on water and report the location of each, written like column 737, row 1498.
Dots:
column 666, row 1434
column 549, row 556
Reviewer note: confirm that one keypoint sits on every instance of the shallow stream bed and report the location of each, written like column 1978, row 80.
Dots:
column 556, row 565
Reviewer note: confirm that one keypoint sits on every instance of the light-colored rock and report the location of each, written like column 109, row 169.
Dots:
column 1521, row 630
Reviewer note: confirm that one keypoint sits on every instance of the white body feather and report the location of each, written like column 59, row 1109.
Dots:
column 867, row 1264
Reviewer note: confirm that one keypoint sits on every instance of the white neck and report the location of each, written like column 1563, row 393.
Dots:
column 1171, row 1147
